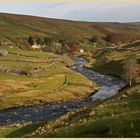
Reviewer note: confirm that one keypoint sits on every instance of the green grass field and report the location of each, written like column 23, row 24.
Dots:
column 46, row 85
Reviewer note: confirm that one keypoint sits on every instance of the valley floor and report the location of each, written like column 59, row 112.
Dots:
column 33, row 78
column 117, row 117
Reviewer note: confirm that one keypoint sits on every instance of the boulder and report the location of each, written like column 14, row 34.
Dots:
column 3, row 52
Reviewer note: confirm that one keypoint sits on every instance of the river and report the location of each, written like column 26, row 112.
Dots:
column 109, row 86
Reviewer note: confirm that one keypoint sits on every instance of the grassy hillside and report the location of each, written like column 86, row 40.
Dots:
column 111, row 60
column 20, row 26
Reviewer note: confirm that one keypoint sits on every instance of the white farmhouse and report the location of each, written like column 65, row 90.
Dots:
column 35, row 46
column 81, row 50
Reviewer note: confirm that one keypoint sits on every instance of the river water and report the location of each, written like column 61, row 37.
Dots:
column 109, row 86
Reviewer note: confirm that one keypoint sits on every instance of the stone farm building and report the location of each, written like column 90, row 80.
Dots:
column 35, row 46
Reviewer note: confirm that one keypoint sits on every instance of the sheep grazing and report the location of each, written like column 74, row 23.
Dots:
column 3, row 53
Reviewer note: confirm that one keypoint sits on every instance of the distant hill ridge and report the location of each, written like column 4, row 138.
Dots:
column 14, row 27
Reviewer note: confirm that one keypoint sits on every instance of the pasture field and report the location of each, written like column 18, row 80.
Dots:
column 34, row 78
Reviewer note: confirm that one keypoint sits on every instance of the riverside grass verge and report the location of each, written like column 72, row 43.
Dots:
column 51, row 82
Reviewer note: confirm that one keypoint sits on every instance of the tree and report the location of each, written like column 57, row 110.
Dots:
column 131, row 70
column 63, row 43
column 30, row 40
column 120, row 38
column 94, row 39
column 47, row 41
column 89, row 54
column 38, row 41
column 112, row 38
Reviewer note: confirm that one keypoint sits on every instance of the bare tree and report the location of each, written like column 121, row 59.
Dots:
column 94, row 39
column 131, row 70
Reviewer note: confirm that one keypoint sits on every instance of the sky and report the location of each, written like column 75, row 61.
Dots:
column 82, row 11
